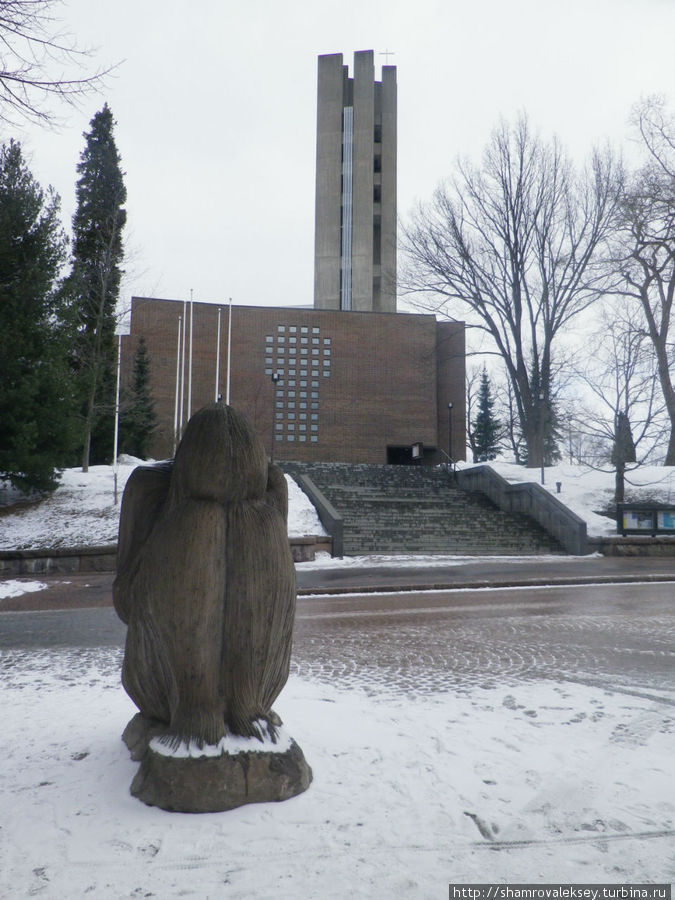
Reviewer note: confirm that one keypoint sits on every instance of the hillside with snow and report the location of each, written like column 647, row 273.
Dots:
column 82, row 511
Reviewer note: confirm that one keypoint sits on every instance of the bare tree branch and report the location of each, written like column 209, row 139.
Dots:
column 38, row 62
column 515, row 245
column 644, row 248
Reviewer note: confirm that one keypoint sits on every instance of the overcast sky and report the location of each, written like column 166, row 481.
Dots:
column 215, row 103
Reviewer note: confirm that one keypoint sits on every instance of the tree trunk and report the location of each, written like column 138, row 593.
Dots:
column 88, row 425
column 619, row 493
column 670, row 452
column 534, row 442
column 660, row 345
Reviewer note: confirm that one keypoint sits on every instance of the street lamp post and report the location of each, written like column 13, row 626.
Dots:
column 122, row 329
column 117, row 414
column 541, row 433
column 275, row 377
column 450, row 432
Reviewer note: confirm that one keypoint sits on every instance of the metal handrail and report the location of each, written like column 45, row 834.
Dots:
column 450, row 465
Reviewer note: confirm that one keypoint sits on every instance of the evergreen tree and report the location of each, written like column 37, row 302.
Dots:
column 486, row 428
column 623, row 451
column 139, row 419
column 544, row 418
column 35, row 382
column 93, row 285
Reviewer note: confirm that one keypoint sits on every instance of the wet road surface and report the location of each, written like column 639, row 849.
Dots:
column 94, row 589
column 619, row 636
column 483, row 572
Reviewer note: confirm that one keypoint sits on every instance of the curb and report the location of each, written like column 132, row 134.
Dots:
column 494, row 584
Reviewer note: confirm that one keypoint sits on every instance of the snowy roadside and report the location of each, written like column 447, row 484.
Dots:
column 561, row 781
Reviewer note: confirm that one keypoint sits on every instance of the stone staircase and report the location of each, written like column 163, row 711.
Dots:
column 418, row 509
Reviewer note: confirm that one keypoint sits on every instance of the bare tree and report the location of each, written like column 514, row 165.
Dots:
column 645, row 251
column 473, row 374
column 620, row 418
column 33, row 53
column 509, row 415
column 515, row 245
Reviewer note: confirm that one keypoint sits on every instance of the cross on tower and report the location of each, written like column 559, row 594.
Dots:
column 387, row 54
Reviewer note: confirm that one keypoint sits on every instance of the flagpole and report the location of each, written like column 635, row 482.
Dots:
column 175, row 414
column 218, row 356
column 182, row 371
column 190, row 371
column 229, row 354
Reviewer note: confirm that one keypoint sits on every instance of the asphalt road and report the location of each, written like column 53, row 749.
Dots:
column 95, row 589
column 619, row 636
column 496, row 571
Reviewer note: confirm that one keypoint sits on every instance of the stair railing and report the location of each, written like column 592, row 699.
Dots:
column 533, row 500
column 449, row 465
column 329, row 516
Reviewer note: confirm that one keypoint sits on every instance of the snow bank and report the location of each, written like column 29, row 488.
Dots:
column 14, row 588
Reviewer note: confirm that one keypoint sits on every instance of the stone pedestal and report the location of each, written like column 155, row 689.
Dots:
column 213, row 779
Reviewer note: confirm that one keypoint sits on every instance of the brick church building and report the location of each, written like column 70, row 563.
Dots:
column 351, row 387
column 349, row 380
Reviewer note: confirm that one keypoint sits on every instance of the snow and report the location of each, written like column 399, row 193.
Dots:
column 303, row 518
column 231, row 744
column 528, row 781
column 82, row 512
column 13, row 588
column 544, row 780
column 382, row 560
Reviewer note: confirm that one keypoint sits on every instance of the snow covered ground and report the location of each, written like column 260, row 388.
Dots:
column 541, row 782
column 15, row 587
column 81, row 512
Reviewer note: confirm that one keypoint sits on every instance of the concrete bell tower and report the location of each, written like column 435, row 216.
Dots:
column 355, row 228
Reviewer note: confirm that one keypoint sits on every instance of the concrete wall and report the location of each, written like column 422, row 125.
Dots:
column 81, row 560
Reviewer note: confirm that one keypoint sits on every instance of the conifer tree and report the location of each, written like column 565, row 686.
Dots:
column 93, row 285
column 139, row 418
column 544, row 414
column 623, row 451
column 35, row 382
column 486, row 428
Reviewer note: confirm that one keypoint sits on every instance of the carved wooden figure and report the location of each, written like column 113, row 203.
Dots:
column 206, row 586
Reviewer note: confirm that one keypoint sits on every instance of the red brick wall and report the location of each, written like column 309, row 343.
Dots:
column 365, row 382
